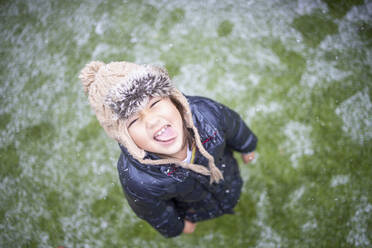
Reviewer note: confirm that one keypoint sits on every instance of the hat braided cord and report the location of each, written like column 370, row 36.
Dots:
column 215, row 173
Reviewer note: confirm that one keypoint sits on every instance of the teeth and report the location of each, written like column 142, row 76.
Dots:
column 160, row 132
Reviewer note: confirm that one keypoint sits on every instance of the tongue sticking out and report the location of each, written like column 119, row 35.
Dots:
column 168, row 134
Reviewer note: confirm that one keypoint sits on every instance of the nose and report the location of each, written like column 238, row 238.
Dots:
column 151, row 120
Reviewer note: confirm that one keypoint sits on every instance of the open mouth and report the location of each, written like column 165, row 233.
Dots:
column 165, row 134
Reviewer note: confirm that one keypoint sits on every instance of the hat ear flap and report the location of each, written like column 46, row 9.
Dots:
column 125, row 139
column 117, row 129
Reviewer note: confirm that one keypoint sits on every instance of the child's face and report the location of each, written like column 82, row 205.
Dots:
column 158, row 128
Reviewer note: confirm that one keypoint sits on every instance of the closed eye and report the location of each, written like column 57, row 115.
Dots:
column 153, row 104
column 132, row 122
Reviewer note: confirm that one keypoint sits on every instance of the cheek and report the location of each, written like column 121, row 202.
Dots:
column 178, row 118
column 139, row 136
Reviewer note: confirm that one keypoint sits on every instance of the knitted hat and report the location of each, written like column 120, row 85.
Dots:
column 118, row 89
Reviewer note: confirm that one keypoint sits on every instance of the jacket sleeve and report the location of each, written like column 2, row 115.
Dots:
column 160, row 213
column 238, row 135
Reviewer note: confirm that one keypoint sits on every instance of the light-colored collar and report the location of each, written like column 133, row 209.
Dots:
column 188, row 156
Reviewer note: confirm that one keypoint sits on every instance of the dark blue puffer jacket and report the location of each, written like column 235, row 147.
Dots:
column 165, row 195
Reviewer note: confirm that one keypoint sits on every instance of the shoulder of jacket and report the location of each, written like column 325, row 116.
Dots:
column 201, row 101
column 205, row 106
column 206, row 110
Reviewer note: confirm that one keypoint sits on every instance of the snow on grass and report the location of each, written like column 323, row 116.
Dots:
column 339, row 180
column 298, row 142
column 356, row 113
column 262, row 108
column 269, row 237
column 358, row 235
column 295, row 196
column 306, row 7
column 309, row 226
column 254, row 78
column 320, row 72
column 196, row 81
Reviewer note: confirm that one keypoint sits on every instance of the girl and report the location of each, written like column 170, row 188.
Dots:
column 176, row 166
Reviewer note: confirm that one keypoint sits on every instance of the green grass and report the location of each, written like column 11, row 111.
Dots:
column 299, row 76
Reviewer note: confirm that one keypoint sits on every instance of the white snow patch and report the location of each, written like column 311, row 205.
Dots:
column 298, row 141
column 339, row 180
column 255, row 79
column 269, row 237
column 306, row 7
column 262, row 108
column 320, row 72
column 195, row 83
column 358, row 235
column 101, row 49
column 296, row 195
column 227, row 87
column 360, row 12
column 309, row 226
column 267, row 57
column 369, row 8
column 356, row 113
column 102, row 25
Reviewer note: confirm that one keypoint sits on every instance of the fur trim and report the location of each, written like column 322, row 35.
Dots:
column 130, row 95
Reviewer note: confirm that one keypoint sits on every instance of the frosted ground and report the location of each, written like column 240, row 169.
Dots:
column 299, row 73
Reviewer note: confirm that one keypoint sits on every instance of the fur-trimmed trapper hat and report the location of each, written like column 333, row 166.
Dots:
column 119, row 89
